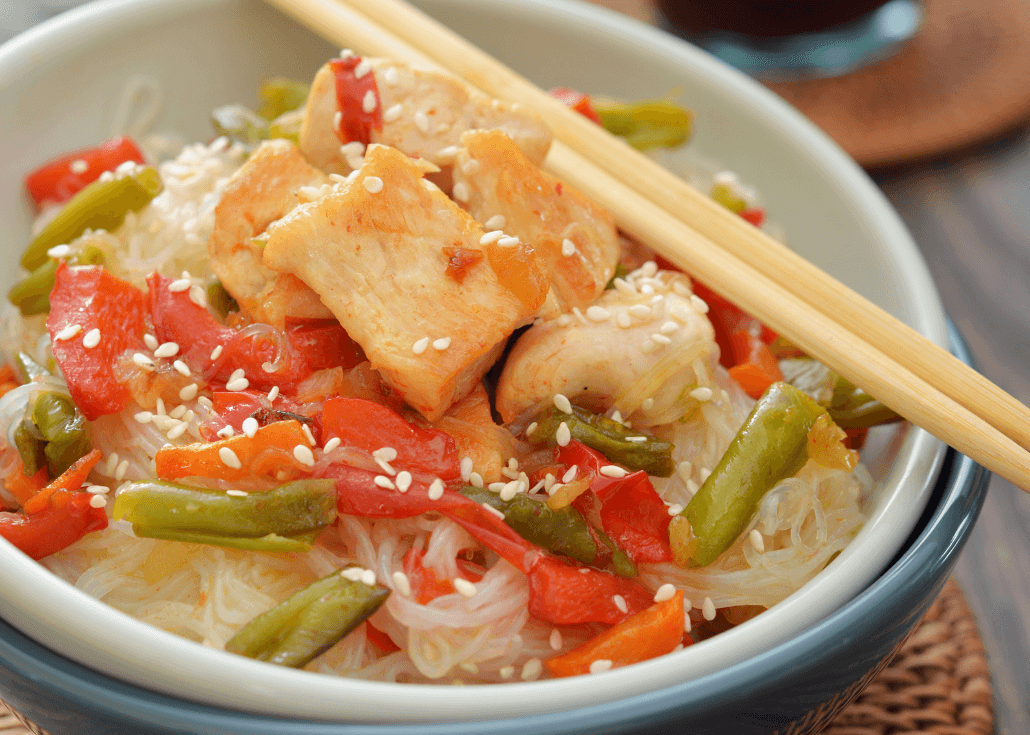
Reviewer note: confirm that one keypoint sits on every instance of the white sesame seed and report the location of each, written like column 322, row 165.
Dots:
column 702, row 394
column 216, row 352
column 189, row 392
column 237, row 385
column 497, row 222
column 250, row 426
column 236, row 374
column 510, row 490
column 506, row 672
column 708, row 609
column 699, row 304
column 268, row 367
column 641, row 311
column 531, row 669
column 568, row 248
column 625, row 287
column 620, row 602
column 669, row 327
column 570, row 474
column 59, row 251
column 441, row 344
column 205, row 401
column 331, row 444
column 496, row 487
column 647, row 404
column 384, row 482
column 368, row 577
column 611, row 470
column 419, row 347
column 373, row 184
column 304, row 455
column 665, row 592
column 169, row 349
column 403, row 481
column 98, row 489
column 98, row 501
column 757, row 541
column 392, row 112
column 273, row 394
column 563, row 320
column 491, row 237
column 182, row 368
column 92, row 339
column 237, row 493
column 369, row 101
column 563, row 436
column 143, row 417
column 461, row 191
column 555, row 640
column 692, row 487
column 183, row 284
column 229, row 458
column 598, row 314
column 178, row 430
column 531, row 428
column 362, row 68
column 68, row 332
column 178, row 412
column 79, row 166
column 464, row 587
column 466, row 468
column 475, row 479
column 675, row 509
column 490, row 509
column 123, row 467
column 352, row 573
column 141, row 360
column 198, row 297
column 391, row 76
column 337, row 120
column 661, row 339
column 562, row 403
column 401, row 583
column 421, row 121
column 600, row 665
column 436, row 489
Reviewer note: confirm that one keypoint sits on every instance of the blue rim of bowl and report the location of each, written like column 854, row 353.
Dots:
column 913, row 581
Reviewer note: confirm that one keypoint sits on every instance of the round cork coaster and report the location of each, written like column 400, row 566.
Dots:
column 937, row 684
column 964, row 78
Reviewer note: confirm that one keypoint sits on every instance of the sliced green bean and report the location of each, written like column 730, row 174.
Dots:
column 308, row 623
column 299, row 544
column 292, row 508
column 32, row 294
column 609, row 437
column 220, row 299
column 65, row 432
column 771, row 446
column 30, row 447
column 647, row 123
column 562, row 531
column 280, row 95
column 100, row 206
column 850, row 407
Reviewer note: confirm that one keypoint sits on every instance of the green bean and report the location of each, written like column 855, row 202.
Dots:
column 728, row 198
column 30, row 447
column 620, row 271
column 240, row 123
column 292, row 508
column 647, row 123
column 850, row 407
column 308, row 623
column 299, row 543
column 281, row 95
column 100, row 206
column 562, row 531
column 771, row 446
column 220, row 299
column 32, row 294
column 65, row 431
column 609, row 437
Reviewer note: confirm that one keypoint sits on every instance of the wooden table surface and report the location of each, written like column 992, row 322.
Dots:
column 970, row 215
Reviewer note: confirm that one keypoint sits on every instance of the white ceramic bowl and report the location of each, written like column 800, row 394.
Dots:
column 58, row 84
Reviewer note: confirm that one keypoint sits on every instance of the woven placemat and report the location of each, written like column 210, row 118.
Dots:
column 937, row 684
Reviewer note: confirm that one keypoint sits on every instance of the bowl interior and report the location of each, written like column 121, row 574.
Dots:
column 58, row 87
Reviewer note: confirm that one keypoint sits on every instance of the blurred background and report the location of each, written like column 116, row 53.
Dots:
column 933, row 98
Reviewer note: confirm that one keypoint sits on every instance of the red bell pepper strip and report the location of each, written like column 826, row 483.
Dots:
column 630, row 510
column 57, row 516
column 425, row 585
column 560, row 593
column 577, row 101
column 309, row 345
column 92, row 298
column 379, row 639
column 370, row 426
column 57, row 181
column 356, row 124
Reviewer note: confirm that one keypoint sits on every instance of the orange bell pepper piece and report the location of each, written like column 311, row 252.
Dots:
column 652, row 632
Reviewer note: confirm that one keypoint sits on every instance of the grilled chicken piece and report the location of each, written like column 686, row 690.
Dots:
column 423, row 113
column 644, row 348
column 576, row 239
column 476, row 436
column 264, row 189
column 401, row 267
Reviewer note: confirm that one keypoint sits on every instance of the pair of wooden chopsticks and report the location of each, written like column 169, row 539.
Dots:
column 827, row 320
